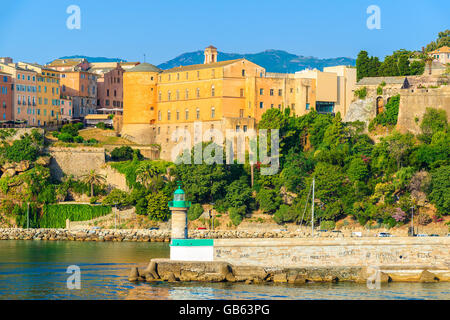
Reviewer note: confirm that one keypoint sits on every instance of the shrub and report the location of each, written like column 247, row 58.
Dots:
column 440, row 186
column 78, row 139
column 284, row 214
column 123, row 153
column 70, row 129
column 361, row 93
column 117, row 198
column 327, row 225
column 237, row 214
column 23, row 149
column 195, row 211
column 55, row 215
column 268, row 199
column 101, row 125
column 93, row 200
column 65, row 137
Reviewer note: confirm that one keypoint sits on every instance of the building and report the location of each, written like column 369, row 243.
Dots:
column 441, row 55
column 223, row 95
column 94, row 119
column 77, row 83
column 47, row 112
column 66, row 109
column 6, row 97
column 25, row 91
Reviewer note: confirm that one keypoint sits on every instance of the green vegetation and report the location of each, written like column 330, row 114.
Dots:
column 361, row 93
column 125, row 153
column 69, row 133
column 389, row 116
column 54, row 216
column 442, row 40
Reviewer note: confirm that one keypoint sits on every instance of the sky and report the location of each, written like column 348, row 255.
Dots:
column 36, row 31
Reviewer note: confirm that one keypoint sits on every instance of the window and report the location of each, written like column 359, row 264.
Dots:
column 213, row 91
column 245, row 128
column 241, row 113
column 168, row 95
column 178, row 115
column 213, row 73
column 280, row 92
column 238, row 128
column 291, row 90
column 178, row 94
column 198, row 92
column 243, row 72
column 271, row 106
column 198, row 74
column 159, row 96
column 261, row 92
column 271, row 92
column 241, row 92
column 168, row 116
column 115, row 93
column 169, row 77
column 307, row 106
column 261, row 105
column 213, row 112
column 187, row 94
column 159, row 116
column 186, row 113
column 187, row 75
column 178, row 76
column 198, row 113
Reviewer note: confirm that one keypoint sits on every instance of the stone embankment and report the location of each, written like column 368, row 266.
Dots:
column 85, row 235
column 218, row 271
column 90, row 234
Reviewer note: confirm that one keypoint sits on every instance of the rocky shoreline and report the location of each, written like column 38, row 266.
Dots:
column 142, row 235
column 198, row 271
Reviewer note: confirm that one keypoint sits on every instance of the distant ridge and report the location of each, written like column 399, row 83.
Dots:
column 94, row 59
column 271, row 60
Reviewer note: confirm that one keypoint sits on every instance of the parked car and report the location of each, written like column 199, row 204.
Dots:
column 201, row 228
column 322, row 230
column 357, row 234
column 434, row 235
column 384, row 234
column 422, row 235
column 153, row 228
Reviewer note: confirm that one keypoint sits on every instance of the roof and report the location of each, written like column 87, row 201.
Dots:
column 96, row 117
column 378, row 80
column 202, row 66
column 444, row 49
column 145, row 67
column 66, row 62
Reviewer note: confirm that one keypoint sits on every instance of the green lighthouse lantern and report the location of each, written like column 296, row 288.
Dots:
column 179, row 199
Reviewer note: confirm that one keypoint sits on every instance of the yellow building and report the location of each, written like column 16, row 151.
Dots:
column 223, row 95
column 47, row 112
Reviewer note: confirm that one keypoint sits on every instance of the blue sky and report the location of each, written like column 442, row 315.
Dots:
column 35, row 30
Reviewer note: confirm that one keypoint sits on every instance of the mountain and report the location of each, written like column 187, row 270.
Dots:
column 271, row 60
column 95, row 59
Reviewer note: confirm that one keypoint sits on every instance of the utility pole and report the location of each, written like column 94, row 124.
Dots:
column 115, row 216
column 312, row 217
column 412, row 220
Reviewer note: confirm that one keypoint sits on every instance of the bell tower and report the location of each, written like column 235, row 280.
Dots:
column 210, row 55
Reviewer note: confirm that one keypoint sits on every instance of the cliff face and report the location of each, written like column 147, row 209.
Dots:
column 361, row 110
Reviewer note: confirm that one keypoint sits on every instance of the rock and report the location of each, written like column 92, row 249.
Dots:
column 43, row 161
column 427, row 276
column 7, row 166
column 22, row 166
column 280, row 278
column 9, row 173
column 296, row 279
column 230, row 277
column 171, row 277
column 134, row 275
column 151, row 269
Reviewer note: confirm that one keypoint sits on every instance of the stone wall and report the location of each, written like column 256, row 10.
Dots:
column 334, row 252
column 75, row 161
column 413, row 104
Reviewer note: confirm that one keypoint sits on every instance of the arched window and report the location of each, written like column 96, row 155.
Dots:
column 198, row 92
column 168, row 114
column 178, row 94
column 168, row 95
column 187, row 94
column 213, row 112
column 213, row 91
column 198, row 113
column 186, row 113
column 178, row 115
column 159, row 116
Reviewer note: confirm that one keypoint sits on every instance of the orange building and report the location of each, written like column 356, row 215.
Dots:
column 222, row 95
column 6, row 97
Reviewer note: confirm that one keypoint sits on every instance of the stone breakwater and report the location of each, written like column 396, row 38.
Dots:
column 85, row 235
column 143, row 234
column 219, row 271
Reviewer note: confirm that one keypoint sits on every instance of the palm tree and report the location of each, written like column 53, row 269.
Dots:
column 146, row 174
column 93, row 178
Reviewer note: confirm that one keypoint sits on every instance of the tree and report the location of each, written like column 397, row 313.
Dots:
column 146, row 174
column 238, row 194
column 123, row 153
column 362, row 65
column 268, row 200
column 158, row 208
column 358, row 171
column 434, row 120
column 117, row 198
column 93, row 178
column 440, row 189
column 399, row 146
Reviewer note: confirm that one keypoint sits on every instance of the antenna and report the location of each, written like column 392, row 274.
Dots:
column 144, row 57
